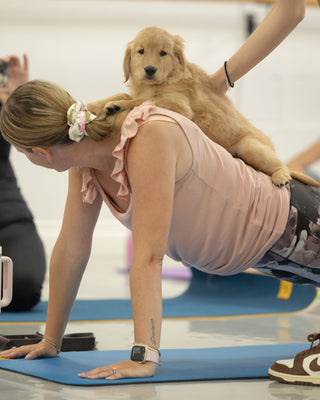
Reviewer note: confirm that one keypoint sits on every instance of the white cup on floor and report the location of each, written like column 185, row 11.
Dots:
column 5, row 280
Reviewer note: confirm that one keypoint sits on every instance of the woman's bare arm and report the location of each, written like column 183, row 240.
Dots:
column 68, row 261
column 284, row 16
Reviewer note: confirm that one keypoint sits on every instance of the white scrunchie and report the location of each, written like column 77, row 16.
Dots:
column 78, row 116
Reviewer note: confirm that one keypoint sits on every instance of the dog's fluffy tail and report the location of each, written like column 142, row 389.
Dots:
column 304, row 178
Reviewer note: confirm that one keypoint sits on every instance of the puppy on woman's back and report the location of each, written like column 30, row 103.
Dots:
column 156, row 69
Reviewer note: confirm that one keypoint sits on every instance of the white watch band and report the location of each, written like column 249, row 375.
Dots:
column 152, row 355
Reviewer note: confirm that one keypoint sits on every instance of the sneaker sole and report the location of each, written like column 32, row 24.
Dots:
column 294, row 379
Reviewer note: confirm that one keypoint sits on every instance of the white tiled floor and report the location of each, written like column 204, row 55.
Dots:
column 176, row 334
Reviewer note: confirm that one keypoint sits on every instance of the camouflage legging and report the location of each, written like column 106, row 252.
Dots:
column 296, row 255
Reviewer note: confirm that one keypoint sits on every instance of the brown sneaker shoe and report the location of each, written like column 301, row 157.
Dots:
column 304, row 369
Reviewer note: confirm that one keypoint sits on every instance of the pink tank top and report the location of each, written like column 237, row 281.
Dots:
column 226, row 215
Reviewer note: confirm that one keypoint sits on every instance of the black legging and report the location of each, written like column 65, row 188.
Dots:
column 295, row 256
column 21, row 242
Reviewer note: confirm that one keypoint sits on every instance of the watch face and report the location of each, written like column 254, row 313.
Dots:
column 138, row 353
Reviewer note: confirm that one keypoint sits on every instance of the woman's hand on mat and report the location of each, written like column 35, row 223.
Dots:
column 122, row 369
column 30, row 352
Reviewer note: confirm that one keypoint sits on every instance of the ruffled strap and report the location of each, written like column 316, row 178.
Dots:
column 129, row 130
column 88, row 190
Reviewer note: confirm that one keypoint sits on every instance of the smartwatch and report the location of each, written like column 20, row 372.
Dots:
column 142, row 353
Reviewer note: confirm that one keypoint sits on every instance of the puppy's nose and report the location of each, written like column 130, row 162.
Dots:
column 150, row 70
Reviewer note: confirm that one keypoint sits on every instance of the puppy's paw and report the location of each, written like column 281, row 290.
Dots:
column 96, row 108
column 112, row 108
column 281, row 177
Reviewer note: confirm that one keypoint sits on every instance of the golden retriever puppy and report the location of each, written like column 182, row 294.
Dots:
column 156, row 69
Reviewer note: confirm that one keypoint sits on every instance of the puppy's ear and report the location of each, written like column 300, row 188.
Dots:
column 127, row 62
column 179, row 50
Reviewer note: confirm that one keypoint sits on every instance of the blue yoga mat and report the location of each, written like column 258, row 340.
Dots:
column 207, row 296
column 177, row 364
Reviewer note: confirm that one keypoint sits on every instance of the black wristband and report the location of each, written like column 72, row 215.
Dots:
column 227, row 75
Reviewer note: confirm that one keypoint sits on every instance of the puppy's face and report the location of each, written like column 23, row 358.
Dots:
column 154, row 56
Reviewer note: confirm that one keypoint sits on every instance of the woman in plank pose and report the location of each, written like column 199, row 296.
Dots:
column 155, row 175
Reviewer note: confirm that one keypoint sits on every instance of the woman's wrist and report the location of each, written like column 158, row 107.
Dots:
column 50, row 341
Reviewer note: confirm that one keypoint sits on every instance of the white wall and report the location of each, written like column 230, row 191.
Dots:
column 80, row 45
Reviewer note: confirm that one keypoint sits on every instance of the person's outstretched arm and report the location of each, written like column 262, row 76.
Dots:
column 284, row 16
column 306, row 158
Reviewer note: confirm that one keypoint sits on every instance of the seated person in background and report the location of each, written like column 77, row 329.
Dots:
column 18, row 235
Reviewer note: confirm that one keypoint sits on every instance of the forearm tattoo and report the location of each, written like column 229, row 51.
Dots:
column 153, row 339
